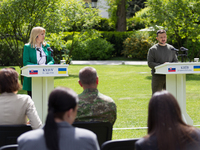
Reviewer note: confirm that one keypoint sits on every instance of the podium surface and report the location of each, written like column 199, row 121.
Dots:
column 176, row 82
column 43, row 84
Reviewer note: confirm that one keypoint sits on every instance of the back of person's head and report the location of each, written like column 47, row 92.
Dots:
column 164, row 111
column 88, row 75
column 9, row 80
column 61, row 100
column 34, row 33
column 165, row 121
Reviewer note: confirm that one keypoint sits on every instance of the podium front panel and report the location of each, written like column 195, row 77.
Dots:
column 45, row 70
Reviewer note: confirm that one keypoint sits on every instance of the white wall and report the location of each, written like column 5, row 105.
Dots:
column 103, row 7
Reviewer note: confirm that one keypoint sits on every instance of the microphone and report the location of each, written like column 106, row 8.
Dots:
column 49, row 49
column 183, row 49
column 174, row 49
column 38, row 49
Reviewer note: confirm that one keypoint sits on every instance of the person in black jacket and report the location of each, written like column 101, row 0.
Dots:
column 166, row 129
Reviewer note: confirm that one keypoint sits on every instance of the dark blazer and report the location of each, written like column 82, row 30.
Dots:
column 30, row 58
column 71, row 138
column 151, row 142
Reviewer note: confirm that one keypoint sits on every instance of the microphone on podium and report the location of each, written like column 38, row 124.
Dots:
column 183, row 49
column 49, row 49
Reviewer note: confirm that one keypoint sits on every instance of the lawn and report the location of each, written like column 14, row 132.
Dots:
column 130, row 88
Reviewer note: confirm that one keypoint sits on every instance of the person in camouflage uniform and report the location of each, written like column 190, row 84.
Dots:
column 94, row 106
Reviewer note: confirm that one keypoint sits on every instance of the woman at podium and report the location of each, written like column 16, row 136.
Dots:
column 36, row 52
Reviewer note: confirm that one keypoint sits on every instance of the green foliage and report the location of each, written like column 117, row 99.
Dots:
column 134, row 6
column 113, row 10
column 134, row 24
column 137, row 46
column 193, row 49
column 90, row 46
column 181, row 18
column 116, row 38
column 105, row 24
column 18, row 17
column 58, row 44
column 9, row 57
column 78, row 17
column 138, row 21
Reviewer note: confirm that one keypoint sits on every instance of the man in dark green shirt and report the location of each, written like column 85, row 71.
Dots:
column 94, row 106
column 158, row 54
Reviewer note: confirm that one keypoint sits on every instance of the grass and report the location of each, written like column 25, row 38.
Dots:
column 130, row 88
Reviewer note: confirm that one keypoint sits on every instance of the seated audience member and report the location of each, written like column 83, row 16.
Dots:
column 58, row 132
column 15, row 108
column 166, row 129
column 94, row 106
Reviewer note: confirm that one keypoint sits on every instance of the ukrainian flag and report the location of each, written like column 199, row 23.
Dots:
column 196, row 68
column 62, row 70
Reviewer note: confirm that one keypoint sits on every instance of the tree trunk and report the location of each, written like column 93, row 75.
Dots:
column 121, row 16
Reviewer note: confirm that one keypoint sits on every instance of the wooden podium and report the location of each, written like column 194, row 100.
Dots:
column 176, row 80
column 43, row 84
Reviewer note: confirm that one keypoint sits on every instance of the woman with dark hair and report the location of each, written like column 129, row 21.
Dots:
column 15, row 107
column 166, row 129
column 58, row 132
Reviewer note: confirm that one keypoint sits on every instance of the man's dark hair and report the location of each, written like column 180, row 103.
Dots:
column 160, row 31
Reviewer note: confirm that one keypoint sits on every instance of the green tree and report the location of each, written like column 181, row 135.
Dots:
column 120, row 9
column 117, row 12
column 18, row 17
column 75, row 17
column 121, row 15
column 181, row 19
column 134, row 6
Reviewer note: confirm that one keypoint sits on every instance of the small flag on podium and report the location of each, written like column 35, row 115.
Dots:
column 33, row 72
column 196, row 68
column 62, row 70
column 171, row 69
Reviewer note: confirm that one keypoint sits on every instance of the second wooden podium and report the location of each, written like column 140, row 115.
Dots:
column 43, row 84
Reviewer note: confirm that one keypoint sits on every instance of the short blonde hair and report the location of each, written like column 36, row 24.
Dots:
column 34, row 33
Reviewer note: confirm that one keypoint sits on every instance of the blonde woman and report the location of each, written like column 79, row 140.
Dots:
column 36, row 53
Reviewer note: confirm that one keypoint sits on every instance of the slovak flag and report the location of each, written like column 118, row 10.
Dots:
column 171, row 69
column 33, row 71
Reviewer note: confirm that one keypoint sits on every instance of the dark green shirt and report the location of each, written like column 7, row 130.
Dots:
column 158, row 55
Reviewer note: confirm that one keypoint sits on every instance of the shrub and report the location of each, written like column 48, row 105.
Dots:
column 92, row 49
column 193, row 49
column 8, row 56
column 134, row 24
column 137, row 46
column 105, row 25
column 116, row 38
column 90, row 46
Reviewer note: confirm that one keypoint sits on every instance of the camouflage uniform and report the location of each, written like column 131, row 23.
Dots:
column 94, row 106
